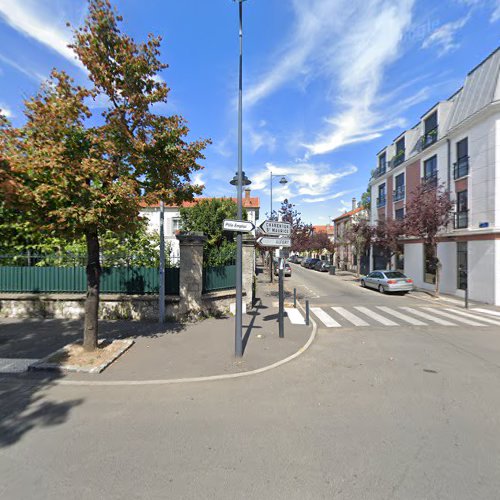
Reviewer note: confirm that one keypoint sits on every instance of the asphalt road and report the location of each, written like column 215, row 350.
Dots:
column 406, row 412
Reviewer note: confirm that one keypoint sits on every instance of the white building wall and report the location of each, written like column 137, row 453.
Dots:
column 496, row 273
column 414, row 265
column 447, row 255
column 481, row 269
column 496, row 163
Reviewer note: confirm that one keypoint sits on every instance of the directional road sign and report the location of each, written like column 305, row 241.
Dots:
column 273, row 241
column 240, row 226
column 277, row 228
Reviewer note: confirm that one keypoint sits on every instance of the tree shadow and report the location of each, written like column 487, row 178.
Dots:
column 25, row 406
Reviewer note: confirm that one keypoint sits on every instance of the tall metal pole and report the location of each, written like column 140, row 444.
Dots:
column 238, row 341
column 271, row 257
column 161, row 305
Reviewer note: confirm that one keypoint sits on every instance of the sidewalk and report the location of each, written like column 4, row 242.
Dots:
column 172, row 351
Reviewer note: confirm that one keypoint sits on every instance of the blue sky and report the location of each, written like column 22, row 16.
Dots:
column 327, row 83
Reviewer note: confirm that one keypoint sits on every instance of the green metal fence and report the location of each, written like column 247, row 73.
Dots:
column 219, row 278
column 126, row 280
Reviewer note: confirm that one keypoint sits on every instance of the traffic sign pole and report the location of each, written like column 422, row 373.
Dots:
column 281, row 293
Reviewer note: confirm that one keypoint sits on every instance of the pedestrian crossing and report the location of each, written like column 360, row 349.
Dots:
column 385, row 316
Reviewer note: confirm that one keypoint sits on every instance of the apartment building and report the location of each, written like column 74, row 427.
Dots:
column 456, row 143
column 172, row 218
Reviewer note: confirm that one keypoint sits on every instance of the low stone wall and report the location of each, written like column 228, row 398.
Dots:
column 131, row 307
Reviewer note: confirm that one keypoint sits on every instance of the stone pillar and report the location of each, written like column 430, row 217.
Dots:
column 191, row 272
column 248, row 267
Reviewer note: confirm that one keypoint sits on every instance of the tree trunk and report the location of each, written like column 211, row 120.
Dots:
column 90, row 330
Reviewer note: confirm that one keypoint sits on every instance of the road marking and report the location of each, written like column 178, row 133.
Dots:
column 294, row 316
column 473, row 316
column 15, row 365
column 453, row 317
column 326, row 319
column 487, row 311
column 438, row 321
column 402, row 316
column 349, row 316
column 376, row 316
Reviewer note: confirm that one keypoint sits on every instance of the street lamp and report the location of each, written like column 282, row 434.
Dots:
column 238, row 181
column 283, row 181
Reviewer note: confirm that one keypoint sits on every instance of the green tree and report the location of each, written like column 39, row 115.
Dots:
column 207, row 216
column 74, row 179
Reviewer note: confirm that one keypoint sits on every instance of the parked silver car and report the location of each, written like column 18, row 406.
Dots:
column 387, row 281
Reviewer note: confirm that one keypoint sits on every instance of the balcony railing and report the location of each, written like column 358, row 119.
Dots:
column 398, row 159
column 430, row 180
column 399, row 193
column 429, row 138
column 461, row 168
column 461, row 220
column 380, row 170
column 381, row 201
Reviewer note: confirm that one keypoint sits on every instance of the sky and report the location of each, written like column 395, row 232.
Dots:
column 327, row 83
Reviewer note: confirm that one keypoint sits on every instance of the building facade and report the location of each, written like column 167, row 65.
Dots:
column 456, row 144
column 172, row 218
column 345, row 255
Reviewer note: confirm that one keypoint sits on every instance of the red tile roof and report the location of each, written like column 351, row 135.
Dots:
column 349, row 214
column 328, row 229
column 248, row 202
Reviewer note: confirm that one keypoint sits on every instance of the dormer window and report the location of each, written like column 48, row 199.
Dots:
column 430, row 130
column 400, row 152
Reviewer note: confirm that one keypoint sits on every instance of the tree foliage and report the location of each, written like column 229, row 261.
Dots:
column 207, row 216
column 73, row 177
column 359, row 234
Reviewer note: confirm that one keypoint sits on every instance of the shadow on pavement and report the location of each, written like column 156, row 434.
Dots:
column 258, row 306
column 24, row 406
column 37, row 338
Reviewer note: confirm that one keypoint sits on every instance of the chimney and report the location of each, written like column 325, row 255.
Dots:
column 247, row 193
column 353, row 203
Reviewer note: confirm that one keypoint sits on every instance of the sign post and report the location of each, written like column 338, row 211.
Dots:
column 281, row 293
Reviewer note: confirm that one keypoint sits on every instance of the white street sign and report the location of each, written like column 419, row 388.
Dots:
column 278, row 228
column 272, row 241
column 241, row 226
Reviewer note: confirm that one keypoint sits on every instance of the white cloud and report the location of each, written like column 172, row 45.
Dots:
column 38, row 77
column 495, row 16
column 353, row 60
column 325, row 198
column 198, row 179
column 444, row 38
column 314, row 181
column 6, row 111
column 39, row 20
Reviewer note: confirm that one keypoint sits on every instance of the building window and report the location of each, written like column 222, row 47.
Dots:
column 462, row 265
column 430, row 171
column 462, row 213
column 381, row 196
column 461, row 167
column 430, row 130
column 430, row 264
column 176, row 224
column 400, row 152
column 399, row 214
column 399, row 191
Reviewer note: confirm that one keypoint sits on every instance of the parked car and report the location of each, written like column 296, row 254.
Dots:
column 311, row 263
column 322, row 266
column 287, row 270
column 299, row 259
column 387, row 281
column 304, row 261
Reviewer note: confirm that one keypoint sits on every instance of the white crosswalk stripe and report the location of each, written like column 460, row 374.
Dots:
column 325, row 318
column 424, row 315
column 376, row 316
column 491, row 321
column 349, row 316
column 294, row 316
column 486, row 311
column 400, row 315
column 454, row 317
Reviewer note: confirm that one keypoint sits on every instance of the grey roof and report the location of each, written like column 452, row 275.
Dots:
column 478, row 90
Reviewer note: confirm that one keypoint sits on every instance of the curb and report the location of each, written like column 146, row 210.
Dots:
column 212, row 378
